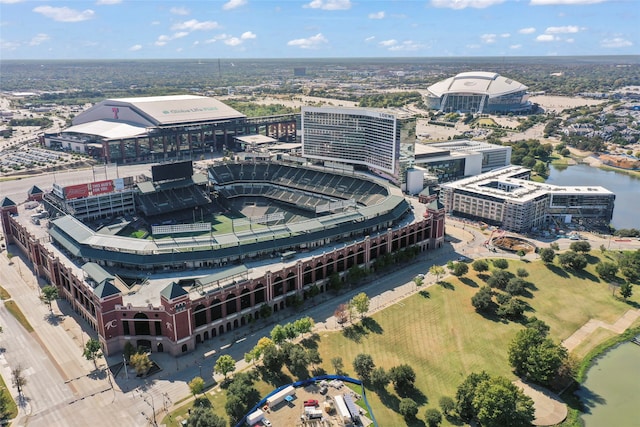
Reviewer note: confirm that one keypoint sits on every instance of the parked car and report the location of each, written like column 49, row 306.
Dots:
column 311, row 402
column 266, row 422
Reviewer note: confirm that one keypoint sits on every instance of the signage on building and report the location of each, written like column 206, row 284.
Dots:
column 101, row 187
column 76, row 191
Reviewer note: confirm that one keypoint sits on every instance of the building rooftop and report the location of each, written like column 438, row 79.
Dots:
column 503, row 184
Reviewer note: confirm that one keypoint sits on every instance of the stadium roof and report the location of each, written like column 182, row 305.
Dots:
column 478, row 82
column 108, row 129
column 161, row 110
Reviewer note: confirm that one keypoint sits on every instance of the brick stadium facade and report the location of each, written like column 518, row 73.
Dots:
column 181, row 321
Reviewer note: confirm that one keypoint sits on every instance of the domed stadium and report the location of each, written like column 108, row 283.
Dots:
column 478, row 92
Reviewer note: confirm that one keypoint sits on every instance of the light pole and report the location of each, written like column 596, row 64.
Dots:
column 152, row 405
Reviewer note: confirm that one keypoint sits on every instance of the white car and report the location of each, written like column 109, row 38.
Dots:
column 266, row 422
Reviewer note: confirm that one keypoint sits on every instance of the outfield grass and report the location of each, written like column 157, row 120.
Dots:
column 444, row 339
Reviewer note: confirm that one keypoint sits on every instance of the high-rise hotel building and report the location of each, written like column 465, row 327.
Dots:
column 380, row 141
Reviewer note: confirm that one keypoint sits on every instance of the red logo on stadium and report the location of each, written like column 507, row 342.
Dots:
column 115, row 112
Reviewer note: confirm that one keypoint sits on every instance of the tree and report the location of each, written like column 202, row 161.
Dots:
column 437, row 270
column 483, row 299
column 499, row 279
column 265, row 311
column 497, row 403
column 547, row 255
column 17, row 379
column 204, row 417
column 141, row 363
column 447, row 404
column 501, row 263
column 626, row 290
column 49, row 295
column 512, row 309
column 304, row 325
column 573, row 260
column 363, row 365
column 196, row 386
column 278, row 334
column 516, row 286
column 535, row 357
column 403, row 378
column 607, row 270
column 92, row 350
column 408, row 408
column 460, row 269
column 360, row 303
column 379, row 378
column 555, row 246
column 522, row 273
column 580, row 246
column 272, row 358
column 128, row 350
column 337, row 364
column 538, row 325
column 480, row 265
column 224, row 365
column 342, row 313
column 466, row 393
column 433, row 417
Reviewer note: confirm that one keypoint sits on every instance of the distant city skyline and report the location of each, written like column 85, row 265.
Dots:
column 137, row 29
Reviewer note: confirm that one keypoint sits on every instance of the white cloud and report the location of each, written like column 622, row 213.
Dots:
column 64, row 14
column 377, row 15
column 107, row 2
column 528, row 30
column 233, row 41
column 39, row 39
column 564, row 2
column 232, row 4
column 7, row 45
column 164, row 39
column 388, row 43
column 570, row 40
column 370, row 38
column 462, row 4
column 10, row 2
column 179, row 11
column 247, row 35
column 195, row 25
column 135, row 47
column 515, row 46
column 488, row 38
column 329, row 4
column 407, row 45
column 312, row 42
column 567, row 29
column 546, row 38
column 505, row 35
column 615, row 42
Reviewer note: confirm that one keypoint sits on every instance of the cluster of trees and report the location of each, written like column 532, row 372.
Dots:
column 241, row 396
column 493, row 401
column 403, row 378
column 252, row 109
column 43, row 122
column 531, row 154
column 279, row 350
column 505, row 286
column 390, row 99
column 536, row 358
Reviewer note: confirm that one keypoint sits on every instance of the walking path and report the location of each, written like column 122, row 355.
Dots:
column 588, row 328
column 549, row 408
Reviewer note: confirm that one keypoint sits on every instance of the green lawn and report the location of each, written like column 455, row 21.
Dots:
column 444, row 339
column 15, row 311
column 12, row 408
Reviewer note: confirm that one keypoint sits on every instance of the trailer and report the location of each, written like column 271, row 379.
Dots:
column 312, row 413
column 341, row 409
column 280, row 396
column 254, row 417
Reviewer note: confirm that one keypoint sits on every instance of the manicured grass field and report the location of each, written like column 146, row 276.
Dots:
column 444, row 339
column 15, row 311
column 12, row 408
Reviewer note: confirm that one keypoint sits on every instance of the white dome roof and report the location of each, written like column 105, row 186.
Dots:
column 477, row 82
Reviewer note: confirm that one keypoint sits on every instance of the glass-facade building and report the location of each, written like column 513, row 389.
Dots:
column 380, row 141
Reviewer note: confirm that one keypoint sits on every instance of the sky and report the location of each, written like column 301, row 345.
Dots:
column 146, row 29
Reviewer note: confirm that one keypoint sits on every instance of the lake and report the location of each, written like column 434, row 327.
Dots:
column 612, row 388
column 625, row 187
